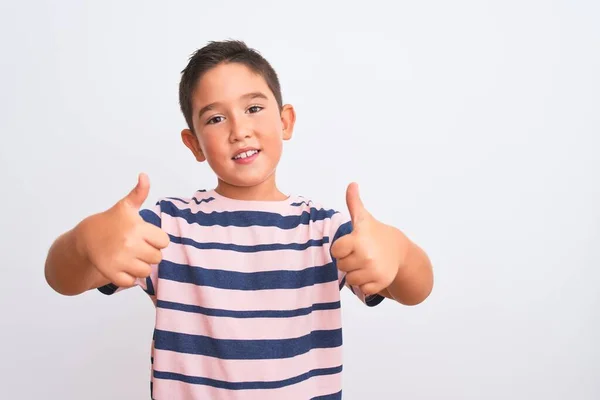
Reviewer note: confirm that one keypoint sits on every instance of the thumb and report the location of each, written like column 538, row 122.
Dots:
column 139, row 193
column 357, row 210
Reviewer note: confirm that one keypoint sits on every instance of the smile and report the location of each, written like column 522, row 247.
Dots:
column 245, row 154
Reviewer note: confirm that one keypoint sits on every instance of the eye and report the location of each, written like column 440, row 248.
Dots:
column 254, row 109
column 214, row 120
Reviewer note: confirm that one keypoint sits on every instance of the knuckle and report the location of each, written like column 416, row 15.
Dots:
column 353, row 281
column 146, row 271
column 128, row 243
column 368, row 289
column 369, row 260
column 124, row 281
column 369, row 256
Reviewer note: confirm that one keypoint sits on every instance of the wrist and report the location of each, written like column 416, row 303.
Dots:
column 413, row 280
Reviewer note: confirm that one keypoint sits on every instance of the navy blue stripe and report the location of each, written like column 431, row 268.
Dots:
column 150, row 217
column 150, row 287
column 248, row 385
column 207, row 200
column 246, row 218
column 374, row 300
column 108, row 289
column 247, row 280
column 213, row 312
column 246, row 349
column 299, row 204
column 343, row 282
column 178, row 199
column 249, row 249
column 334, row 396
column 195, row 200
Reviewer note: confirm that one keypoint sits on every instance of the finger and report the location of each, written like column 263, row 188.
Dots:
column 155, row 236
column 343, row 247
column 138, row 268
column 349, row 263
column 139, row 193
column 123, row 279
column 359, row 277
column 355, row 205
column 149, row 254
column 371, row 288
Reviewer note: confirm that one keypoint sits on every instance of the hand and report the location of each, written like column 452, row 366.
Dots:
column 372, row 253
column 119, row 243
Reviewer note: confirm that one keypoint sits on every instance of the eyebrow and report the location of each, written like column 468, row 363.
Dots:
column 247, row 96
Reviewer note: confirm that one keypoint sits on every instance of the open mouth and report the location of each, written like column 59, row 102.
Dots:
column 245, row 154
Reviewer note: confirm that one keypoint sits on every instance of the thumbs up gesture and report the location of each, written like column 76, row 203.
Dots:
column 372, row 253
column 119, row 243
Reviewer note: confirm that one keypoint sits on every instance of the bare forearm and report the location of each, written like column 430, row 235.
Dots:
column 67, row 269
column 414, row 281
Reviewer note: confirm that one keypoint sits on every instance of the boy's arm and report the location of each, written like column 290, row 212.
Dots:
column 115, row 246
column 413, row 282
column 380, row 259
column 68, row 270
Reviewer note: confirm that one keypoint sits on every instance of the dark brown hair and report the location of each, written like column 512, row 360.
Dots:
column 215, row 53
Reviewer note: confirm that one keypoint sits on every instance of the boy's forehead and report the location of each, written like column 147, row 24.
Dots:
column 228, row 83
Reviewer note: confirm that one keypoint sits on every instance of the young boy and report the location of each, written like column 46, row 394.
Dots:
column 246, row 280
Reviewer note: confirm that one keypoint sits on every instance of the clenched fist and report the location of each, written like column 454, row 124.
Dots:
column 371, row 254
column 119, row 243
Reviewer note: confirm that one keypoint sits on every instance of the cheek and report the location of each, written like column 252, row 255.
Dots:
column 273, row 144
column 269, row 124
column 213, row 147
column 272, row 134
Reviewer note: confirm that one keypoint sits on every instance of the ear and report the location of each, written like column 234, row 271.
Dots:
column 191, row 142
column 288, row 119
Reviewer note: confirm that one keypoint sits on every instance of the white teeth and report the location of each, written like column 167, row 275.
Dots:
column 245, row 154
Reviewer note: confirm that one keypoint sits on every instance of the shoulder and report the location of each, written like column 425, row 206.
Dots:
column 311, row 205
column 199, row 197
column 176, row 206
column 336, row 221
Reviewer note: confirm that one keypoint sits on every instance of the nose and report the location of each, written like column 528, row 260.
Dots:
column 239, row 130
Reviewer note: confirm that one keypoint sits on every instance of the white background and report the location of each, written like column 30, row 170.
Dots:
column 473, row 126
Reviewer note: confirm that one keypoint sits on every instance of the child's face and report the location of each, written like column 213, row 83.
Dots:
column 239, row 127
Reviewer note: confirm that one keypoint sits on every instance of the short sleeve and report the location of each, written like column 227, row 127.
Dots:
column 341, row 225
column 148, row 284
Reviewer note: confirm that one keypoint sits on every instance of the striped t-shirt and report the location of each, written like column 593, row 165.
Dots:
column 247, row 299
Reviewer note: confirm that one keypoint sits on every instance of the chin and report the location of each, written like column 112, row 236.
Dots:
column 247, row 181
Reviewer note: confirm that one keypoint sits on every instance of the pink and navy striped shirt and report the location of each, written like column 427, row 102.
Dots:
column 247, row 299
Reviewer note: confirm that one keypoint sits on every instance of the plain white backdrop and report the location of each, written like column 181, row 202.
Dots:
column 472, row 126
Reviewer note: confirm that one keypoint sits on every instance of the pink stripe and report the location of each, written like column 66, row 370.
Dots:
column 290, row 260
column 247, row 328
column 223, row 204
column 248, row 300
column 243, row 235
column 247, row 371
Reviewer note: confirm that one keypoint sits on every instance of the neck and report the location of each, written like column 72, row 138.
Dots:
column 265, row 191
